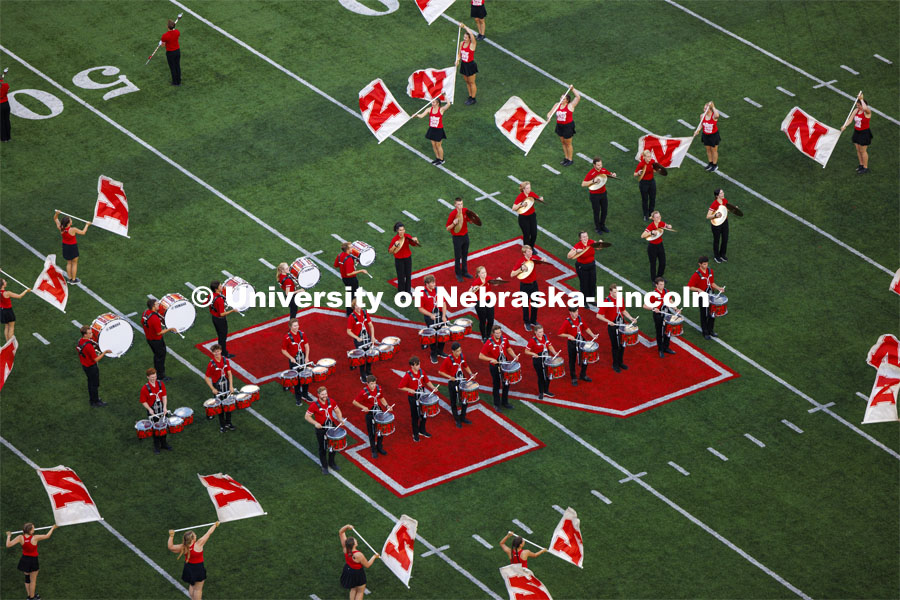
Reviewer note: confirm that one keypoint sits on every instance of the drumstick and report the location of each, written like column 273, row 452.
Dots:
column 370, row 277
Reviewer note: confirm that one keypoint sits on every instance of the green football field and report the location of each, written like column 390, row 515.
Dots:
column 765, row 485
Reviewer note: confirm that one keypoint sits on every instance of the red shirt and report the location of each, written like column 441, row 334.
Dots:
column 403, row 252
column 87, row 352
column 348, row 557
column 429, row 301
column 593, row 173
column 68, row 238
column 345, row 262
column 452, row 366
column 477, row 2
column 436, row 119
column 152, row 324
column 563, row 115
column 414, row 381
column 539, row 345
column 860, row 121
column 291, row 343
column 493, row 348
column 655, row 302
column 465, row 225
column 611, row 312
column 287, row 283
column 653, row 227
column 587, row 257
column 5, row 301
column 702, row 281
column 218, row 371
column 369, row 397
column 717, row 203
column 532, row 277
column 170, row 39
column 479, row 284
column 466, row 54
column 649, row 174
column 515, row 560
column 28, row 547
column 4, row 88
column 520, row 198
column 710, row 126
column 356, row 321
column 322, row 412
column 571, row 327
column 150, row 394
column 195, row 557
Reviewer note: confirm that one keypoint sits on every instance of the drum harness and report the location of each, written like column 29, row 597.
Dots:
column 157, row 405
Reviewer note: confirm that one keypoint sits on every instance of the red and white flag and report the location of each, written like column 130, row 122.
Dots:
column 566, row 542
column 519, row 124
column 51, row 284
column 7, row 358
column 432, row 9
column 111, row 211
column 882, row 405
column 69, row 498
column 521, row 584
column 429, row 84
column 667, row 151
column 382, row 114
column 809, row 136
column 887, row 348
column 895, row 282
column 397, row 553
column 232, row 500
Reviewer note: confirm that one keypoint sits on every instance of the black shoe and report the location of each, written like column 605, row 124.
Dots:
column 470, row 101
column 74, row 281
column 568, row 163
column 466, row 421
column 230, row 426
column 574, row 381
column 669, row 351
column 442, row 355
column 585, row 378
column 434, row 162
column 603, row 229
column 549, row 395
column 425, row 434
column 714, row 168
column 459, row 425
column 155, row 450
column 362, row 379
column 713, row 334
column 99, row 404
column 662, row 354
column 508, row 406
column 617, row 369
column 859, row 168
column 381, row 451
column 221, row 430
column 540, row 396
column 415, row 438
column 527, row 326
column 468, row 276
column 439, row 162
column 167, row 378
column 717, row 259
column 460, row 278
column 707, row 337
column 333, row 467
column 563, row 162
column 623, row 366
column 299, row 403
column 324, row 470
column 374, row 453
column 646, row 218
column 230, row 355
column 167, row 447
column 434, row 360
column 724, row 258
column 708, row 166
column 479, row 37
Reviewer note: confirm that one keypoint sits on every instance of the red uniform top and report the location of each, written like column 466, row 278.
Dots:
column 429, row 301
column 414, row 381
column 593, row 173
column 477, row 2
column 68, row 238
column 466, row 54
column 291, row 343
column 493, row 348
column 611, row 312
column 436, row 119
column 587, row 257
column 346, row 264
column 717, row 203
column 356, row 322
column 348, row 556
column 860, row 121
column 216, row 371
column 702, row 280
column 515, row 560
column 170, row 39
column 710, row 126
column 4, row 88
column 322, row 412
column 521, row 197
column 403, row 252
column 87, row 352
column 453, row 366
column 217, row 307
column 28, row 548
column 571, row 327
column 150, row 394
column 653, row 227
column 649, row 174
column 465, row 225
column 196, row 557
column 539, row 346
column 5, row 301
column 654, row 302
column 370, row 397
column 486, row 284
column 287, row 283
column 152, row 324
column 532, row 277
column 563, row 115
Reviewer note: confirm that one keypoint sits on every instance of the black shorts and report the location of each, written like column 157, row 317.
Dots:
column 862, row 137
column 70, row 251
column 565, row 131
column 351, row 578
column 193, row 573
column 7, row 315
column 468, row 68
column 478, row 12
column 712, row 140
column 28, row 564
column 435, row 134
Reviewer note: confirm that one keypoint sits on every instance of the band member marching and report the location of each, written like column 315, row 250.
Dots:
column 703, row 280
column 485, row 313
column 524, row 205
column 153, row 333
column 458, row 226
column 295, row 348
column 371, row 401
column 572, row 329
column 415, row 383
column 219, row 314
column 717, row 215
column 324, row 414
column 565, row 124
column 361, row 328
column 399, row 247
column 495, row 351
column 435, row 132
column 540, row 348
column 155, row 400
column 710, row 125
column 7, row 316
column 614, row 316
column 173, row 51
column 89, row 354
column 644, row 172
column 518, row 555
column 434, row 312
column 288, row 285
column 653, row 233
column 468, row 68
column 69, row 244
column 527, row 274
column 221, row 381
column 353, row 577
column 599, row 200
column 583, row 252
column 29, row 563
column 452, row 368
column 660, row 310
column 347, row 265
column 194, row 572
column 862, row 135
column 478, row 12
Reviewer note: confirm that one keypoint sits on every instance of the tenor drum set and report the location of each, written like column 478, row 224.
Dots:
column 373, row 351
column 307, row 373
column 164, row 424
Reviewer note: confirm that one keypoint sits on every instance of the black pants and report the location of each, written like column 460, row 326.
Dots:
column 437, row 347
column 543, row 382
column 326, row 458
column 648, row 196
column 485, row 321
column 221, row 325
column 404, row 274
column 292, row 307
column 657, row 255
column 159, row 356
column 574, row 356
column 375, row 440
column 587, row 281
column 615, row 343
column 600, row 204
column 159, row 442
column 528, row 225
column 366, row 367
column 416, row 416
column 529, row 313
column 707, row 322
column 301, row 391
column 5, row 129
column 224, row 418
column 461, row 254
column 720, row 239
column 662, row 340
column 459, row 414
column 174, row 59
column 353, row 284
column 93, row 379
column 501, row 388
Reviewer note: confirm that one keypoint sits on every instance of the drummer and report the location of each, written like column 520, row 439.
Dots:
column 614, row 316
column 155, row 400
column 296, row 349
column 572, row 329
column 154, row 332
column 89, row 354
column 371, row 401
column 323, row 414
column 347, row 264
column 660, row 310
column 415, row 383
column 218, row 313
column 362, row 330
column 495, row 351
column 452, row 368
column 219, row 371
column 435, row 312
column 289, row 285
column 703, row 280
column 540, row 348
column 528, row 284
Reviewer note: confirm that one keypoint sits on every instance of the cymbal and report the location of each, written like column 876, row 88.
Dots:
column 524, row 205
column 660, row 169
column 528, row 267
column 732, row 208
column 601, row 244
column 472, row 217
column 497, row 281
column 415, row 243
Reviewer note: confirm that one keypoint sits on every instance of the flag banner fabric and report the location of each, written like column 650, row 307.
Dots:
column 667, row 151
column 566, row 542
column 69, row 498
column 7, row 358
column 397, row 553
column 51, row 284
column 428, row 84
column 432, row 9
column 882, row 406
column 232, row 500
column 380, row 111
column 111, row 210
column 814, row 139
column 519, row 124
column 887, row 348
column 895, row 282
column 521, row 584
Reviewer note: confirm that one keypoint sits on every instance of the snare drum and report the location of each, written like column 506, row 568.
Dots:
column 176, row 424
column 319, row 373
column 305, row 271
column 243, row 400
column 554, row 366
column 253, row 390
column 144, row 429
column 512, row 372
column 590, row 351
column 629, row 334
column 328, row 363
column 112, row 333
column 457, row 333
column 362, row 252
column 372, row 355
column 238, row 293
column 391, row 340
column 161, row 427
column 443, row 335
column 337, row 439
column 427, row 336
column 384, row 423
column 674, row 325
column 229, row 404
column 305, row 376
column 718, row 305
column 429, row 405
column 386, row 352
column 177, row 312
column 357, row 357
column 213, row 407
column 466, row 324
column 186, row 414
column 468, row 391
column 289, row 378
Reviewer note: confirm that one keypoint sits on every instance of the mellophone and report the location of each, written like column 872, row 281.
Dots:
column 307, row 373
column 225, row 402
column 162, row 424
column 373, row 351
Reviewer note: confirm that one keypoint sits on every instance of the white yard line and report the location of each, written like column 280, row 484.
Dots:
column 375, row 227
column 849, row 70
column 754, row 440
column 685, row 123
column 752, row 102
column 411, row 216
column 559, row 509
column 445, row 203
column 74, row 322
column 481, row 541
column 792, row 426
column 522, row 526
column 436, row 550
column 603, row 498
column 338, row 238
column 551, row 169
column 679, row 469
column 41, row 338
column 514, row 179
column 190, row 285
column 863, row 396
column 882, row 59
column 585, row 157
column 717, row 453
column 619, row 146
column 266, row 263
column 784, row 91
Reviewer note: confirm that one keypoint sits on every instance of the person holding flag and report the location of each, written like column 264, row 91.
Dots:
column 69, row 244
column 28, row 564
column 353, row 577
column 435, row 131
column 173, row 51
column 468, row 68
column 710, row 124
column 7, row 316
column 194, row 572
column 565, row 123
column 518, row 555
column 478, row 12
column 862, row 135
column 89, row 354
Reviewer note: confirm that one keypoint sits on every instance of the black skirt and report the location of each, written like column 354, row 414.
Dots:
column 468, row 68
column 28, row 564
column 70, row 251
column 193, row 573
column 565, row 131
column 712, row 140
column 863, row 137
column 7, row 315
column 478, row 12
column 435, row 134
column 351, row 578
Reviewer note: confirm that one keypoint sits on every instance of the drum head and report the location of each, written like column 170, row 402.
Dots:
column 468, row 386
column 176, row 421
column 116, row 336
column 384, row 417
column 250, row 389
column 628, row 328
column 181, row 316
column 336, row 433
column 326, row 362
column 720, row 299
column 463, row 323
column 309, row 277
column 184, row 412
column 510, row 367
column 392, row 340
column 240, row 297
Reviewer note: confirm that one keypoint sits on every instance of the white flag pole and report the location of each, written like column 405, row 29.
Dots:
column 35, row 529
column 73, row 217
column 364, row 541
column 194, row 527
column 16, row 280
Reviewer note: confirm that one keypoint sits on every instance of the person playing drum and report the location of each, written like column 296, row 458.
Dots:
column 660, row 310
column 295, row 348
column 155, row 400
column 7, row 316
column 194, row 572
column 288, row 284
column 399, row 247
column 494, row 352
column 362, row 330
column 485, row 313
column 435, row 312
column 614, row 316
column 371, row 401
column 29, row 563
column 89, row 354
column 69, row 244
column 218, row 312
column 219, row 371
column 353, row 577
column 703, row 280
column 599, row 199
column 324, row 414
column 415, row 383
column 528, row 284
column 718, row 211
column 347, row 264
column 452, row 368
column 517, row 554
column 572, row 329
column 153, row 333
column 539, row 348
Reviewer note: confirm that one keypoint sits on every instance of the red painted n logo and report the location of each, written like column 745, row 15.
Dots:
column 519, row 121
column 808, row 141
column 114, row 206
column 422, row 82
column 526, row 588
column 233, row 491
column 69, row 481
column 379, row 113
column 403, row 540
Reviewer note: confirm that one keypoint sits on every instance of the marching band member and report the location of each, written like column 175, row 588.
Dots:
column 153, row 333
column 495, row 351
column 156, row 401
column 517, row 554
column 459, row 217
column 719, row 209
column 527, row 219
column 69, row 244
column 565, row 124
column 29, row 563
column 703, row 280
column 862, row 135
column 288, row 285
column 614, row 316
column 414, row 383
column 218, row 313
column 466, row 56
column 362, row 330
column 399, row 247
column 485, row 313
column 434, row 312
column 295, row 348
column 539, row 348
column 599, row 200
column 478, row 12
column 353, row 577
column 346, row 263
column 89, row 354
column 571, row 329
column 173, row 51
column 435, row 131
column 710, row 137
column 529, row 284
column 219, row 371
column 371, row 401
column 7, row 316
column 452, row 368
column 655, row 249
column 194, row 572
column 644, row 172
column 5, row 110
column 324, row 414
column 583, row 252
column 660, row 310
